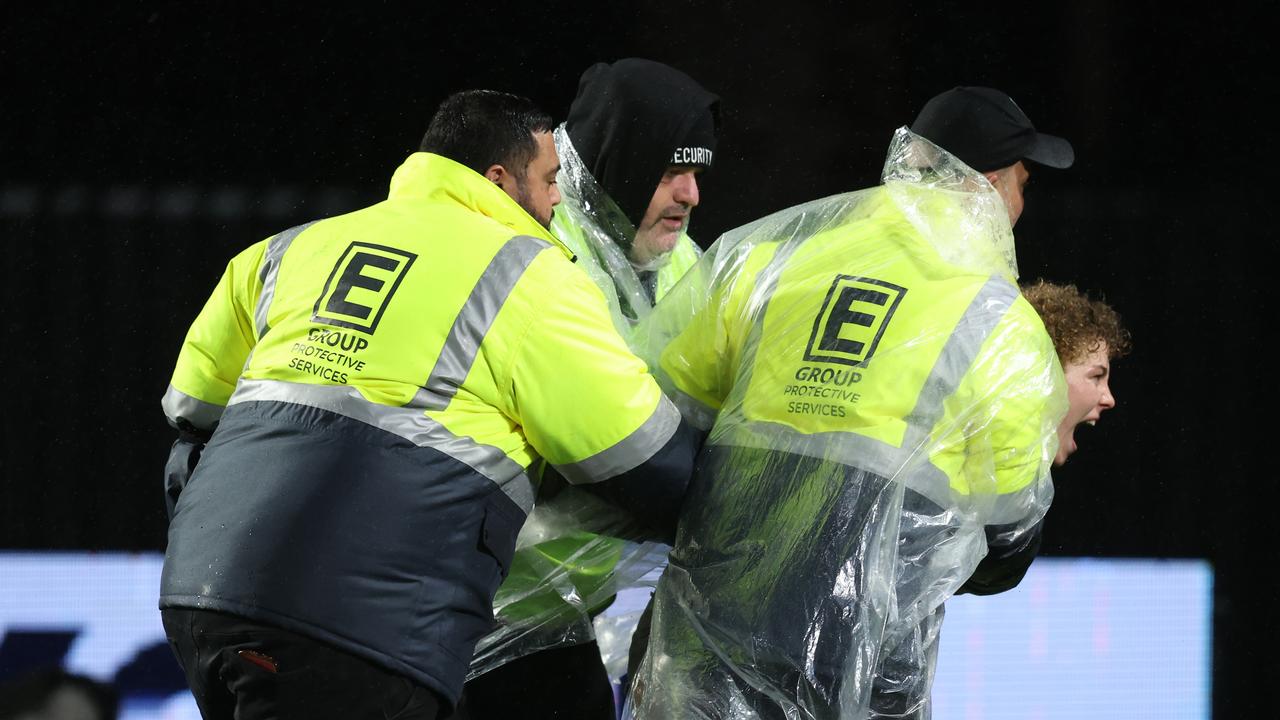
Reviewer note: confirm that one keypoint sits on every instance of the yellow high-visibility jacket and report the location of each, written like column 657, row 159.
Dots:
column 380, row 383
column 879, row 398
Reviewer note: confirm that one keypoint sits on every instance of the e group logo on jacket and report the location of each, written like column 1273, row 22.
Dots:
column 361, row 285
column 852, row 320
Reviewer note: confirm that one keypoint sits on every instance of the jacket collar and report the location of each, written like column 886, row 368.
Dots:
column 431, row 177
column 952, row 206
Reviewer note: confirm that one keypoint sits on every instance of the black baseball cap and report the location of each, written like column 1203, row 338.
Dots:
column 987, row 130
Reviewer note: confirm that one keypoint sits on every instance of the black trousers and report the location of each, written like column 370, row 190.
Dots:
column 564, row 682
column 239, row 669
column 639, row 644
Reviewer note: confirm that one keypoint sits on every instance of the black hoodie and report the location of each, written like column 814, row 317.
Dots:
column 634, row 118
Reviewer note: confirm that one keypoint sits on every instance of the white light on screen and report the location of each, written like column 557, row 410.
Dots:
column 1078, row 638
column 1081, row 638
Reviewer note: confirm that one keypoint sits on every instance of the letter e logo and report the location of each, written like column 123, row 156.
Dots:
column 852, row 320
column 361, row 285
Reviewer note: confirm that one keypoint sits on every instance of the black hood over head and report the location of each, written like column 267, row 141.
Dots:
column 632, row 119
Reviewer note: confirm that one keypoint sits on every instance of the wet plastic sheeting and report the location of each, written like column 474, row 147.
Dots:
column 600, row 235
column 575, row 552
column 877, row 395
column 571, row 560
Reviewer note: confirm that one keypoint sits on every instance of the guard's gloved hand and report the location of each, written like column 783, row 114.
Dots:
column 1005, row 563
column 183, row 457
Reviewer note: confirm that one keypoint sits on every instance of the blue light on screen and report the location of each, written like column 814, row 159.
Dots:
column 1081, row 638
column 95, row 614
column 1078, row 638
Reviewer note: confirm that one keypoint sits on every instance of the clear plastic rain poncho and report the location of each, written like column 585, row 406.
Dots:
column 880, row 400
column 575, row 552
column 600, row 234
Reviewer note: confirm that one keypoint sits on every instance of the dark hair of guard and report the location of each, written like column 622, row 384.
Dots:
column 481, row 128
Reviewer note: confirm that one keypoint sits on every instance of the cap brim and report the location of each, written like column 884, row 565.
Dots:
column 1052, row 151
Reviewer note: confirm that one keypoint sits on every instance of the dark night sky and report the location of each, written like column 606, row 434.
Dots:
column 141, row 147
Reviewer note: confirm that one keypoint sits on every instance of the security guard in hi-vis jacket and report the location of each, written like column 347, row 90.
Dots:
column 358, row 406
column 883, row 407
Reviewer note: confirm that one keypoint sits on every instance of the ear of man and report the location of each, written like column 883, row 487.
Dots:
column 498, row 175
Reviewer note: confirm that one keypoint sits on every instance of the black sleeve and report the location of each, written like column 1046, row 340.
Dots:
column 183, row 457
column 653, row 491
column 1005, row 564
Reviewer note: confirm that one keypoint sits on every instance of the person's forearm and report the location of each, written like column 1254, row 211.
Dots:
column 654, row 490
column 1006, row 562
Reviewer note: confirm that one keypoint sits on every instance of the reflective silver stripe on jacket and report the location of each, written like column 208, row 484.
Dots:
column 408, row 423
column 903, row 464
column 178, row 405
column 271, row 260
column 985, row 311
column 474, row 320
column 698, row 413
column 629, row 452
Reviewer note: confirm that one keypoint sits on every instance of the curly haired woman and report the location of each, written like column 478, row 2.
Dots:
column 1087, row 334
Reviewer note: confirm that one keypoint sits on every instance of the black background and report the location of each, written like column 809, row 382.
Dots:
column 142, row 146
